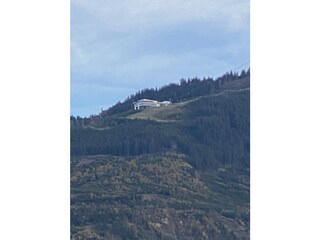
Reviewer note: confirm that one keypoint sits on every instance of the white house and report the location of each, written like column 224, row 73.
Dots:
column 148, row 103
column 165, row 103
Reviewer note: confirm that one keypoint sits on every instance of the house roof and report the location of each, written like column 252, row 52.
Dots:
column 146, row 100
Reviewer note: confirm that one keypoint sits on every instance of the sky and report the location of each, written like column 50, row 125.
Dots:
column 121, row 46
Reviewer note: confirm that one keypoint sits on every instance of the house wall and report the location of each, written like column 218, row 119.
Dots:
column 146, row 104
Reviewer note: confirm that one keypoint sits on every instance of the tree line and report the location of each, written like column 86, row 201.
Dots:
column 185, row 90
column 214, row 131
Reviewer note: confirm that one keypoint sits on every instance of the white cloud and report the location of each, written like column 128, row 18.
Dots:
column 109, row 28
column 143, row 14
column 148, row 43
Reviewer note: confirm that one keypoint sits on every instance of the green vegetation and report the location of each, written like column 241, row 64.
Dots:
column 211, row 130
column 185, row 90
column 157, row 196
column 175, row 172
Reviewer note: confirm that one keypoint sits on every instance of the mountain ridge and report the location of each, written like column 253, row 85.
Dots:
column 175, row 172
column 185, row 90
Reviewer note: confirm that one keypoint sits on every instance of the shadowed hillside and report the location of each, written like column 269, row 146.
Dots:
column 156, row 197
column 174, row 172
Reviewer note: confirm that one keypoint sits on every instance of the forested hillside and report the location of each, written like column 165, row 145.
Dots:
column 157, row 196
column 185, row 90
column 173, row 172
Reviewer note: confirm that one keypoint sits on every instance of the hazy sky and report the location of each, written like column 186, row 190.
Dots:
column 121, row 46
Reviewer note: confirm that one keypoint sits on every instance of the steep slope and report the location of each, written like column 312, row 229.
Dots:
column 175, row 111
column 212, row 130
column 185, row 90
column 175, row 172
column 156, row 197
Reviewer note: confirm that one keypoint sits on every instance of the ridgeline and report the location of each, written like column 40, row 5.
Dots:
column 174, row 172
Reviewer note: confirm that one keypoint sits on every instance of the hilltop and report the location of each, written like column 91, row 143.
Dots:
column 175, row 172
column 171, row 112
column 185, row 90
